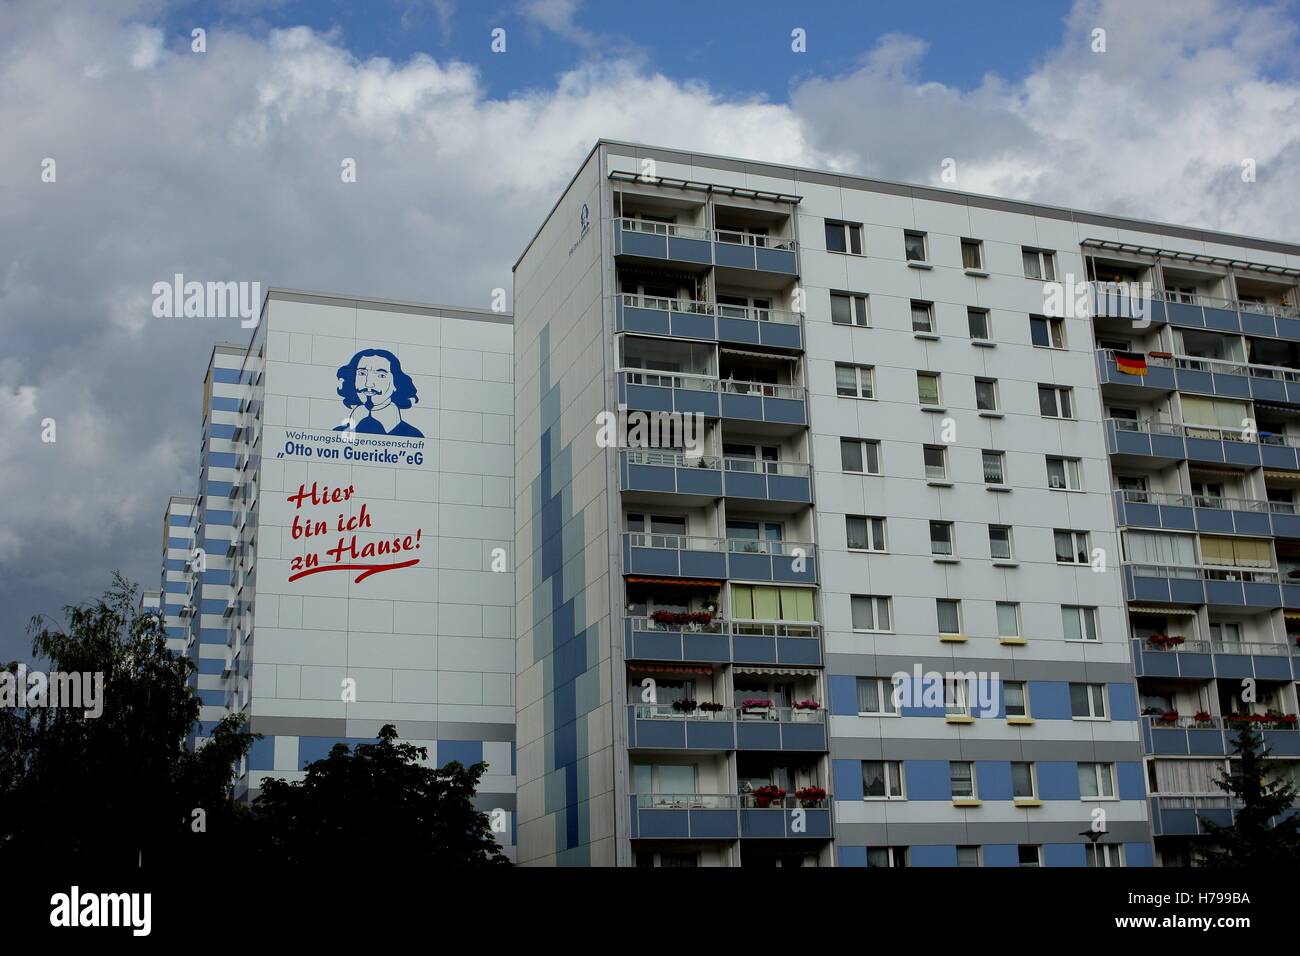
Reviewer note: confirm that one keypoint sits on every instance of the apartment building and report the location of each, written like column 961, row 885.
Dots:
column 345, row 562
column 880, row 615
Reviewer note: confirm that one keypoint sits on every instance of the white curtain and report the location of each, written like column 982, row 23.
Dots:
column 1153, row 547
column 1188, row 776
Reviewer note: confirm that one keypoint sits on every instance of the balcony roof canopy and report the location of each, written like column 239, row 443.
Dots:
column 1174, row 255
column 740, row 192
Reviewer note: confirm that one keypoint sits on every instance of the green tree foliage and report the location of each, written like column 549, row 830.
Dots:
column 1264, row 832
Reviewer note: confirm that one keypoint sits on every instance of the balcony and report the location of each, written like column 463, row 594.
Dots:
column 692, row 392
column 710, row 816
column 1206, row 376
column 1202, row 443
column 1182, row 814
column 1207, row 514
column 1232, row 587
column 724, row 642
column 671, row 555
column 693, row 246
column 1187, row 736
column 1203, row 660
column 656, row 315
column 1226, row 315
column 782, row 729
column 670, row 472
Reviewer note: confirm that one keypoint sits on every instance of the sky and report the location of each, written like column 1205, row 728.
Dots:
column 225, row 165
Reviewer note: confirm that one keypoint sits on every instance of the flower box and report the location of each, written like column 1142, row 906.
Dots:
column 809, row 797
column 804, row 711
column 765, row 796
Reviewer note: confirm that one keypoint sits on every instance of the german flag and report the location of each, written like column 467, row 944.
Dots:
column 1131, row 363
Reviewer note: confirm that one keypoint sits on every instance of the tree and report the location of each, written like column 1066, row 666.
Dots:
column 377, row 802
column 1253, row 839
column 119, row 788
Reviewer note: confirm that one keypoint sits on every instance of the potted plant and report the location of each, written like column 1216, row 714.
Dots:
column 809, row 797
column 766, row 795
column 756, row 706
column 803, row 710
column 1158, row 640
column 1151, row 711
column 1203, row 718
column 1169, row 717
column 685, row 705
column 711, row 707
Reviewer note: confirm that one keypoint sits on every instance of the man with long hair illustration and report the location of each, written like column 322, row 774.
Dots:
column 376, row 390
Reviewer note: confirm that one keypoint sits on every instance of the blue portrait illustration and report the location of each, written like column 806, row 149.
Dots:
column 376, row 391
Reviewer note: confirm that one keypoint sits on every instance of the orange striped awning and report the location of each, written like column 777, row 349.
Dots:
column 675, row 582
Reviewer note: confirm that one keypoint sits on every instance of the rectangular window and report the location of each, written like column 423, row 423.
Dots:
column 1097, row 781
column 914, row 246
column 995, row 467
column 1088, row 701
column 1022, row 781
column 949, row 614
column 968, row 856
column 752, row 602
column 1047, row 333
column 855, row 381
column 876, row 697
column 1055, row 401
column 1063, row 474
column 922, row 316
column 1105, row 854
column 1039, row 264
column 986, row 394
column 1029, row 854
column 886, row 856
column 941, row 538
column 1071, row 546
column 961, row 774
column 870, row 612
column 1080, row 623
column 882, row 779
column 936, row 463
column 1015, row 698
column 844, row 237
column 972, row 254
column 1000, row 542
column 1008, row 619
column 927, row 388
column 849, row 309
column 860, row 455
column 977, row 320
column 865, row 533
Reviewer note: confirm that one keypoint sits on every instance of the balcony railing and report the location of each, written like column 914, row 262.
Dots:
column 679, row 542
column 786, row 469
column 1196, row 801
column 670, row 458
column 703, row 381
column 760, row 240
column 744, row 628
column 782, row 714
column 653, row 228
column 1204, row 501
column 1206, row 573
column 1182, row 722
column 754, row 313
column 687, row 801
column 780, row 549
column 1232, row 305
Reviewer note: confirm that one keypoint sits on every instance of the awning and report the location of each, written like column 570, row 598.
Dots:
column 762, row 355
column 676, row 582
column 777, row 671
column 1282, row 475
column 670, row 668
column 1291, row 615
column 1163, row 611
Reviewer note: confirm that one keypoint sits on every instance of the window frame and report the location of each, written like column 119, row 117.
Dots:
column 1024, row 696
column 858, row 318
column 875, row 600
column 950, row 528
column 943, row 459
column 1087, row 623
column 1046, row 263
column 938, row 388
column 1099, row 768
column 974, row 791
column 1057, row 392
column 885, row 692
column 1001, row 458
column 850, row 236
column 863, row 454
column 1015, row 612
column 956, row 603
column 861, row 373
column 889, row 781
column 1055, row 328
column 1091, row 699
column 978, row 246
column 1011, row 544
column 1033, row 780
column 876, row 544
column 911, row 234
column 1070, row 468
column 1076, row 557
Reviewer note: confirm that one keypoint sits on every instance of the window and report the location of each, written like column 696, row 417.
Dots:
column 876, row 697
column 1029, row 854
column 849, row 309
column 941, row 538
column 1088, row 701
column 956, row 698
column 949, row 614
column 860, row 455
column 1071, row 546
column 1080, row 623
column 865, row 533
column 1097, row 781
column 1047, row 333
column 936, row 462
column 1063, row 474
column 995, row 470
column 914, row 246
column 1039, row 264
column 882, row 779
column 977, row 320
column 986, row 394
column 1055, row 401
column 1015, row 698
column 1022, row 781
column 968, row 856
column 1008, row 619
column 753, row 602
column 927, row 388
column 961, row 773
column 1156, row 547
column 855, row 381
column 1105, row 854
column 1000, row 542
column 922, row 316
column 972, row 254
column 886, row 856
column 870, row 612
column 844, row 237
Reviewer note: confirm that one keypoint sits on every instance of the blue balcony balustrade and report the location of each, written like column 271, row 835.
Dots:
column 1226, row 315
column 1178, row 584
column 705, row 321
column 1174, row 735
column 694, row 246
column 706, row 816
column 1159, row 376
column 672, row 727
column 1206, row 659
column 1206, row 513
column 672, row 472
column 1185, row 814
column 1175, row 442
column 1117, row 301
column 697, row 392
column 780, row 481
column 764, row 402
column 720, row 642
column 692, row 556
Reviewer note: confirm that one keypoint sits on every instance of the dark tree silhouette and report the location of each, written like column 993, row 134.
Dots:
column 1264, row 831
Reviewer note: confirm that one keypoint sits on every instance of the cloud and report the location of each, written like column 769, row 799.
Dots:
column 226, row 166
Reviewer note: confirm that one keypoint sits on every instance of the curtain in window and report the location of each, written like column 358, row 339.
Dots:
column 1236, row 552
column 1187, row 776
column 1214, row 411
column 753, row 603
column 1154, row 547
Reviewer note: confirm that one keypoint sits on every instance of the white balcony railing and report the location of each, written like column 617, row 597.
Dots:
column 1232, row 305
column 655, row 228
column 1205, row 573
